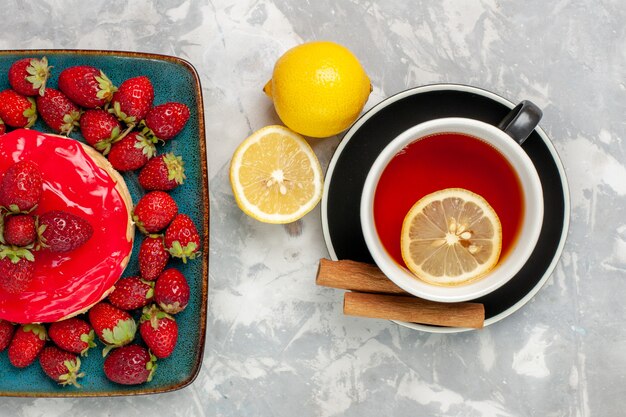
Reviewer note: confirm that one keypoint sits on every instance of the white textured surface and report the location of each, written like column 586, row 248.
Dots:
column 279, row 346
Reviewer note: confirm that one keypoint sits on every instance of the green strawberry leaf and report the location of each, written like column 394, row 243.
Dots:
column 30, row 113
column 189, row 251
column 151, row 366
column 121, row 334
column 175, row 167
column 16, row 254
column 70, row 120
column 72, row 375
column 106, row 87
column 37, row 329
column 117, row 111
column 88, row 338
column 39, row 72
column 104, row 146
column 147, row 147
column 147, row 132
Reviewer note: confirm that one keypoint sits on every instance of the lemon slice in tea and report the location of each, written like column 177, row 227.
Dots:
column 275, row 176
column 451, row 237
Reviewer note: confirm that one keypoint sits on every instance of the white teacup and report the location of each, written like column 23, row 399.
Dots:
column 515, row 128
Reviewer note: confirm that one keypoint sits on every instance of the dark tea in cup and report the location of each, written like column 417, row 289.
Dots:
column 446, row 160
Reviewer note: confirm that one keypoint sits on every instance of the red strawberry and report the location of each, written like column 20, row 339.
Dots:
column 164, row 172
column 28, row 76
column 165, row 121
column 181, row 238
column 58, row 111
column 6, row 334
column 16, row 274
column 63, row 367
column 159, row 330
column 20, row 229
column 132, row 100
column 73, row 335
column 130, row 365
column 26, row 344
column 131, row 293
column 100, row 129
column 21, row 186
column 114, row 327
column 153, row 257
column 171, row 291
column 154, row 212
column 86, row 86
column 3, row 128
column 62, row 231
column 131, row 153
column 17, row 110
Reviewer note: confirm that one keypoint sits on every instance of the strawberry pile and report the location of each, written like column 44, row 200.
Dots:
column 121, row 122
column 125, row 126
column 59, row 346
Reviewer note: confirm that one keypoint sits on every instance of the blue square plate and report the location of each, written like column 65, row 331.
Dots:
column 174, row 80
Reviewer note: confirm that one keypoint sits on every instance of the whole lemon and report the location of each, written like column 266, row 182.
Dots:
column 318, row 88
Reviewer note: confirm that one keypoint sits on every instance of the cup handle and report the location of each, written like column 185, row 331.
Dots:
column 521, row 121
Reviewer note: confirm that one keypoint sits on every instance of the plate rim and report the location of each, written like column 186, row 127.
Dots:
column 204, row 257
column 495, row 97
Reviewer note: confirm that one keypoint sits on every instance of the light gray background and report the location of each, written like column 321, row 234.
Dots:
column 279, row 346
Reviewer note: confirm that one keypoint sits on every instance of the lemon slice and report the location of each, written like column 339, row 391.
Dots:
column 275, row 176
column 451, row 237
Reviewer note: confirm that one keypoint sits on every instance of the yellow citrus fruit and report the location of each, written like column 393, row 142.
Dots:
column 318, row 88
column 451, row 237
column 275, row 176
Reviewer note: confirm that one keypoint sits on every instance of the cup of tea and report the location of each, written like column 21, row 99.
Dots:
column 451, row 154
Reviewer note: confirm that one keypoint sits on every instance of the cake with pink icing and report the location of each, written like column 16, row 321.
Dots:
column 79, row 180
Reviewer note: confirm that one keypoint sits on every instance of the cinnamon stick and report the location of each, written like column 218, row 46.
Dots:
column 413, row 309
column 357, row 276
column 374, row 295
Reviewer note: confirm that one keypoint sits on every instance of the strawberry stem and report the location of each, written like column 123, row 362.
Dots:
column 126, row 131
